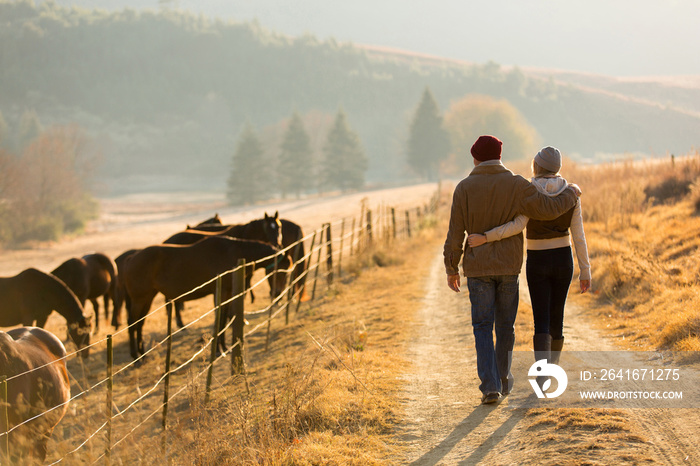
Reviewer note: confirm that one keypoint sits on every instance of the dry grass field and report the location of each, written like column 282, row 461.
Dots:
column 643, row 227
column 323, row 392
column 326, row 388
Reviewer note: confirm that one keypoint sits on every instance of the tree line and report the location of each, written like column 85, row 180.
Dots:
column 168, row 87
column 437, row 146
column 294, row 171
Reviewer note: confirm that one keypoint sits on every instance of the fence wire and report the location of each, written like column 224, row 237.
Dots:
column 341, row 238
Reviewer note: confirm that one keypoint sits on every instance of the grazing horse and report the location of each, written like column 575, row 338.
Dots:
column 90, row 277
column 267, row 229
column 29, row 297
column 177, row 270
column 290, row 232
column 45, row 387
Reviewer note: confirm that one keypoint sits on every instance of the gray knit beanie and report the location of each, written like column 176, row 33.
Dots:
column 549, row 158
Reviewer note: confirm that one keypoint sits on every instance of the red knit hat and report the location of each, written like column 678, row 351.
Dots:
column 487, row 148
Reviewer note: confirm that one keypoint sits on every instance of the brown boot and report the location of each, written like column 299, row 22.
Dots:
column 557, row 345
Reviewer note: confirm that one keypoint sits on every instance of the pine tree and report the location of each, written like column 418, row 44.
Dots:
column 249, row 178
column 294, row 171
column 345, row 162
column 428, row 142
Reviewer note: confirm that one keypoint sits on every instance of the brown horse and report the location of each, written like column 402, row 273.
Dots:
column 120, row 296
column 90, row 277
column 267, row 229
column 45, row 387
column 175, row 270
column 290, row 232
column 29, row 297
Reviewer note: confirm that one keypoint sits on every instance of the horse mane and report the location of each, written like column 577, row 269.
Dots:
column 66, row 303
column 8, row 354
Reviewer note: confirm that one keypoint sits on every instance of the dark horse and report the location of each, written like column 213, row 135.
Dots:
column 291, row 234
column 45, row 387
column 29, row 297
column 120, row 296
column 175, row 270
column 267, row 229
column 90, row 277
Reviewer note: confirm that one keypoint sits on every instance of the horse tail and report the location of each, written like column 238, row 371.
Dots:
column 120, row 296
column 111, row 267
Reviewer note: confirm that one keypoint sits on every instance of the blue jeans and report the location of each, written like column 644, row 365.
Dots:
column 494, row 300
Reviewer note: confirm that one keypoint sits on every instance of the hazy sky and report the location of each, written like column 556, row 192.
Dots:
column 613, row 37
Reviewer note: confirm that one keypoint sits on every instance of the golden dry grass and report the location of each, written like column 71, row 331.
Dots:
column 645, row 253
column 325, row 392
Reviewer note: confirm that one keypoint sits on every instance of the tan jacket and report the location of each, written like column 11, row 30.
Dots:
column 490, row 196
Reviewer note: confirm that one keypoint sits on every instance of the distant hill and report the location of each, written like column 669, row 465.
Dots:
column 166, row 93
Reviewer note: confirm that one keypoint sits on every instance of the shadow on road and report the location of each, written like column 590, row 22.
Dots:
column 463, row 429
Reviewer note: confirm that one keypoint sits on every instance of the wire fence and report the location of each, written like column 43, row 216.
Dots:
column 97, row 428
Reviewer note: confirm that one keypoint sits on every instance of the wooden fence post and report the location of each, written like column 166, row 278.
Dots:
column 352, row 237
column 168, row 355
column 5, row 453
column 329, row 257
column 340, row 250
column 166, row 382
column 393, row 223
column 110, row 388
column 238, row 310
column 305, row 273
column 274, row 288
column 369, row 226
column 408, row 223
column 290, row 299
column 318, row 265
column 215, row 338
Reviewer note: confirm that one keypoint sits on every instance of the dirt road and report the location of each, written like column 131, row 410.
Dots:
column 446, row 424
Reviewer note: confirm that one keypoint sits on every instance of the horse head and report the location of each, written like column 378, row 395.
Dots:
column 272, row 226
column 79, row 332
column 215, row 220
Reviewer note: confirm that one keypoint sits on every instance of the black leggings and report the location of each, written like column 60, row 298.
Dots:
column 549, row 275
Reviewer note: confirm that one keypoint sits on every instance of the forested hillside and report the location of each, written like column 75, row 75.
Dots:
column 166, row 94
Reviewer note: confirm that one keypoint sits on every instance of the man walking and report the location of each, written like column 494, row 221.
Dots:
column 490, row 196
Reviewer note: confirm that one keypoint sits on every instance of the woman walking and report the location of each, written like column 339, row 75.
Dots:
column 549, row 266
